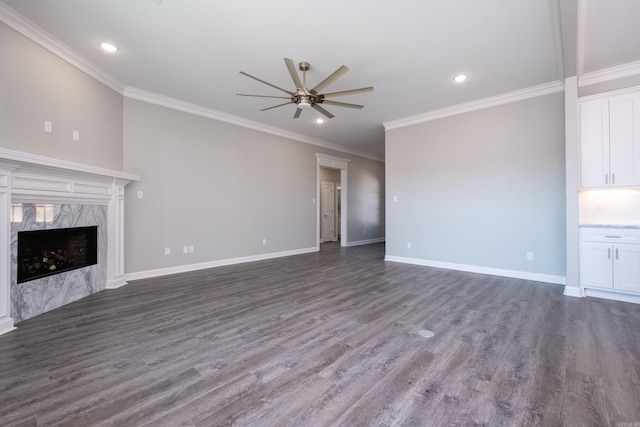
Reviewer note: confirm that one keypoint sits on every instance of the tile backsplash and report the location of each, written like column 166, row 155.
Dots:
column 610, row 206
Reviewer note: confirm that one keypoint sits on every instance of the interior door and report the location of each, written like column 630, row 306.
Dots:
column 327, row 212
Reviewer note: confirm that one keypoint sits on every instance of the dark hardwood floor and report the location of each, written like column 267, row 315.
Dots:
column 325, row 339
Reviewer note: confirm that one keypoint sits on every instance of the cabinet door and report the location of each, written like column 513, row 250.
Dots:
column 626, row 267
column 594, row 143
column 596, row 267
column 624, row 140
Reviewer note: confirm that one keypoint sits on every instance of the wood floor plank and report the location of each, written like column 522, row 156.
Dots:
column 325, row 339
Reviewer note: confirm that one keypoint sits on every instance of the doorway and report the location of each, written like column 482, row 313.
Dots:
column 331, row 221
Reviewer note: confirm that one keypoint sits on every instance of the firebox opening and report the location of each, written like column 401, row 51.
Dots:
column 46, row 252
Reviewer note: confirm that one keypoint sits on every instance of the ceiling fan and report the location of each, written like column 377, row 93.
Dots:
column 309, row 98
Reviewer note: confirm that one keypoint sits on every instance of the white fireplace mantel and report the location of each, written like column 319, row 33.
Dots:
column 28, row 178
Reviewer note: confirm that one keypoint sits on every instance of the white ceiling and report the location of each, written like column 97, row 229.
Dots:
column 409, row 50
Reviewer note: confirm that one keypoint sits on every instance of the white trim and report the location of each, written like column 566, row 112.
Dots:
column 116, row 283
column 603, row 95
column 55, row 46
column 524, row 275
column 6, row 325
column 327, row 161
column 608, row 74
column 6, row 171
column 493, row 101
column 573, row 291
column 48, row 162
column 612, row 295
column 176, row 104
column 365, row 242
column 213, row 264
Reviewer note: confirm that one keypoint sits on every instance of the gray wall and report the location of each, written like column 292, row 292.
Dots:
column 35, row 86
column 481, row 188
column 224, row 188
column 366, row 194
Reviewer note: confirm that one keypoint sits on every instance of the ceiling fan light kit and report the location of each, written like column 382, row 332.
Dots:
column 305, row 98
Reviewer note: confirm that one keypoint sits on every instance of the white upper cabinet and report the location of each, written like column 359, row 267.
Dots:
column 610, row 141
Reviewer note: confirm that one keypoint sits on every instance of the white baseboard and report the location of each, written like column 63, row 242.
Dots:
column 117, row 283
column 212, row 264
column 6, row 325
column 366, row 242
column 612, row 295
column 515, row 274
column 573, row 291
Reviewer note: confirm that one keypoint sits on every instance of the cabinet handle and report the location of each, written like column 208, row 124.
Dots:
column 609, row 253
column 617, row 257
column 613, row 237
column 606, row 178
column 613, row 178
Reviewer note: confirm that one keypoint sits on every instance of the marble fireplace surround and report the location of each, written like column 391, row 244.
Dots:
column 28, row 178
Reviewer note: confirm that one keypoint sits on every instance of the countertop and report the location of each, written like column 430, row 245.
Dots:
column 626, row 225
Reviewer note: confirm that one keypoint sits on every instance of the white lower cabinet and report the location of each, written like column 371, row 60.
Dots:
column 610, row 258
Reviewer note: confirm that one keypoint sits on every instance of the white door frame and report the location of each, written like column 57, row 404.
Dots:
column 333, row 162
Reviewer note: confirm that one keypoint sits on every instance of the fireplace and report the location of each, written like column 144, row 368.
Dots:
column 43, row 253
column 83, row 196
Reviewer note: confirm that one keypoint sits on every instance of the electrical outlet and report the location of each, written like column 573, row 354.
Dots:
column 529, row 256
column 48, row 126
column 599, row 207
column 191, row 249
column 167, row 251
column 76, row 135
column 185, row 249
column 264, row 241
column 408, row 245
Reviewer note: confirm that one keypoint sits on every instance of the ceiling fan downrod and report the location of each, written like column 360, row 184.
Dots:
column 305, row 99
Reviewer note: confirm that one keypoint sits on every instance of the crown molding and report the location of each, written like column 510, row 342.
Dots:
column 176, row 104
column 36, row 34
column 608, row 74
column 479, row 104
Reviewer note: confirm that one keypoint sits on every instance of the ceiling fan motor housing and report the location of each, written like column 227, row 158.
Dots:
column 305, row 99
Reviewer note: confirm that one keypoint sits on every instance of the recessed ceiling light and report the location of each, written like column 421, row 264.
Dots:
column 460, row 78
column 109, row 47
column 320, row 121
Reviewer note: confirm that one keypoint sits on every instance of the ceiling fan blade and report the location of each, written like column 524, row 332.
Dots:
column 348, row 92
column 323, row 111
column 342, row 104
column 294, row 74
column 297, row 113
column 267, row 83
column 332, row 78
column 276, row 106
column 264, row 96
